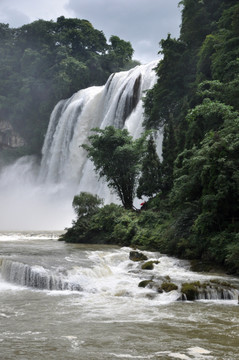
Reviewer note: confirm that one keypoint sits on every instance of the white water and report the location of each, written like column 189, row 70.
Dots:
column 39, row 197
column 102, row 313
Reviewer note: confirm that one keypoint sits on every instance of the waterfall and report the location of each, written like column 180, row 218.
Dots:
column 38, row 197
column 118, row 103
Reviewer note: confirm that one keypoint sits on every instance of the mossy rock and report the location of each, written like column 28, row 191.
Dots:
column 167, row 278
column 223, row 284
column 190, row 290
column 145, row 283
column 137, row 256
column 149, row 265
column 168, row 286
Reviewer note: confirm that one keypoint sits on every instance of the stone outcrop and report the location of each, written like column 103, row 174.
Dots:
column 9, row 138
column 137, row 256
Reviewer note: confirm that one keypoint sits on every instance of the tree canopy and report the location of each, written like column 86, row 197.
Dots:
column 45, row 61
column 116, row 157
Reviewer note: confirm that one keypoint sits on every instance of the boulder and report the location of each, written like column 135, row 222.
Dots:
column 137, row 256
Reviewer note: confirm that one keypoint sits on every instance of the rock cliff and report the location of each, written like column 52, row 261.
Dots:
column 9, row 138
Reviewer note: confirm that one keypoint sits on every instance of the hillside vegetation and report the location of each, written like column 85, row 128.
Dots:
column 193, row 210
column 46, row 61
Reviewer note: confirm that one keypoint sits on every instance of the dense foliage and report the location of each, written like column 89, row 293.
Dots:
column 196, row 100
column 45, row 61
column 195, row 212
column 116, row 157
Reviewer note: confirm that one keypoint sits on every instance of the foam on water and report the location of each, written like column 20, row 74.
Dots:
column 111, row 317
column 25, row 236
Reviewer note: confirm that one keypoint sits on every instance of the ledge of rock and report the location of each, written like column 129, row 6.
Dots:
column 9, row 138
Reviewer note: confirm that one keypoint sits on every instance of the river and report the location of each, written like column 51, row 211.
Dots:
column 101, row 313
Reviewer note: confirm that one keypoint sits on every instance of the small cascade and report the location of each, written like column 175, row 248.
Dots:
column 216, row 292
column 36, row 277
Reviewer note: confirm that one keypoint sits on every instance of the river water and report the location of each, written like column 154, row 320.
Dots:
column 101, row 313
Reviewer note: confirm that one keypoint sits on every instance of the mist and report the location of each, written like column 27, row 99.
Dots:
column 28, row 205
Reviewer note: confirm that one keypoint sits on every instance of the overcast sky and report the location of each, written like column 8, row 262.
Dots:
column 142, row 22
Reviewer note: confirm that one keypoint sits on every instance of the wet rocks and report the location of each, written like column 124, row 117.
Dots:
column 169, row 286
column 158, row 285
column 137, row 256
column 213, row 289
column 145, row 283
column 190, row 291
column 149, row 265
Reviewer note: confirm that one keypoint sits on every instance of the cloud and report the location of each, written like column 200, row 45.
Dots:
column 142, row 22
column 19, row 12
column 13, row 16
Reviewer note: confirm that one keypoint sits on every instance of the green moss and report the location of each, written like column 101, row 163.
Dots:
column 149, row 265
column 190, row 290
column 224, row 284
column 168, row 286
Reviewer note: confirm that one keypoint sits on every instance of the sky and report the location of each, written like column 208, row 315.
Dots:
column 142, row 22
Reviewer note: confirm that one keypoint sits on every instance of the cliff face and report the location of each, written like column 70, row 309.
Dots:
column 8, row 137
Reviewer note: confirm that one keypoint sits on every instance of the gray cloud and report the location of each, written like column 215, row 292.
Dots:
column 13, row 16
column 19, row 12
column 142, row 22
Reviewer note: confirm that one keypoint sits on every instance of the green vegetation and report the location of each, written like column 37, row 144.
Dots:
column 150, row 182
column 45, row 61
column 116, row 157
column 196, row 100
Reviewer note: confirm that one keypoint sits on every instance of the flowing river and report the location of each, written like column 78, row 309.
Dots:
column 69, row 301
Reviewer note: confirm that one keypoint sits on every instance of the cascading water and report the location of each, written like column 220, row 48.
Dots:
column 39, row 197
column 118, row 103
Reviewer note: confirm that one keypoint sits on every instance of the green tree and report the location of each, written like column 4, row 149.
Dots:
column 209, row 174
column 150, row 182
column 210, row 115
column 86, row 204
column 116, row 157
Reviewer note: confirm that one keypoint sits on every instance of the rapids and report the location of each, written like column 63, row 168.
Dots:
column 99, row 311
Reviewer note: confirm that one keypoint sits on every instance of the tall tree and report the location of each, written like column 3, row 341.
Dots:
column 150, row 182
column 116, row 157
